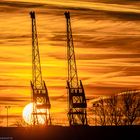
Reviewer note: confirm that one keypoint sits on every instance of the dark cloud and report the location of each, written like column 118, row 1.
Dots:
column 10, row 116
column 131, row 57
column 125, row 16
column 61, row 98
column 105, row 15
column 59, row 37
column 16, row 4
column 13, row 86
column 105, row 41
column 102, row 89
column 13, row 38
column 6, row 58
column 132, row 71
column 117, row 42
column 114, row 1
column 8, row 6
column 13, row 99
column 57, row 10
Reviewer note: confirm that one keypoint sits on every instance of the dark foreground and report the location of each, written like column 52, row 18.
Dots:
column 71, row 133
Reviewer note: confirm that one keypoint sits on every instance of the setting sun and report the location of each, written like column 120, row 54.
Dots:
column 28, row 117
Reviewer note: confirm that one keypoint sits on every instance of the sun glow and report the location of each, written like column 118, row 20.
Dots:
column 28, row 117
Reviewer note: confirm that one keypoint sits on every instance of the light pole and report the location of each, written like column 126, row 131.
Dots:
column 7, row 107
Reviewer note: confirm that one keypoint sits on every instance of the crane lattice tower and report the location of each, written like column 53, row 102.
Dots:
column 77, row 114
column 41, row 102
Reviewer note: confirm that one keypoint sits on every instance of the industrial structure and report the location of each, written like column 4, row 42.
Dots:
column 77, row 114
column 41, row 102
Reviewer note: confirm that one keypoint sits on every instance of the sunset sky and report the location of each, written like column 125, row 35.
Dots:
column 107, row 45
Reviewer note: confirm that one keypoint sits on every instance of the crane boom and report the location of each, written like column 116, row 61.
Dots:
column 41, row 102
column 77, row 114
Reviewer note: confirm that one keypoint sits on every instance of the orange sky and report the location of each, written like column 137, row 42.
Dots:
column 107, row 46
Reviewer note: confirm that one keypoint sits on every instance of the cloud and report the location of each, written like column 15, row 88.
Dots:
column 21, row 4
column 126, row 11
column 13, row 86
column 13, row 99
column 62, row 99
column 102, row 89
column 10, row 116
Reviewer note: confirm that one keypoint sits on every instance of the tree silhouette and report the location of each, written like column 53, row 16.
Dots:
column 113, row 111
column 131, row 108
column 121, row 109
